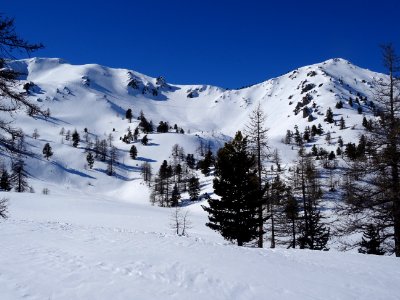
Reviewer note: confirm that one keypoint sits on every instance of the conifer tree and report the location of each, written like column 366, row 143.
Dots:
column 5, row 184
column 291, row 210
column 146, row 171
column 129, row 115
column 175, row 196
column 47, row 151
column 190, row 161
column 162, row 188
column 75, row 138
column 342, row 124
column 194, row 188
column 35, row 134
column 90, row 160
column 329, row 116
column 112, row 161
column 145, row 140
column 68, row 135
column 316, row 235
column 340, row 141
column 371, row 242
column 236, row 182
column 206, row 163
column 136, row 134
column 133, row 152
column 19, row 176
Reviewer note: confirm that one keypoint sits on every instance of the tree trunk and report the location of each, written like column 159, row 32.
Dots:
column 272, row 227
column 293, row 234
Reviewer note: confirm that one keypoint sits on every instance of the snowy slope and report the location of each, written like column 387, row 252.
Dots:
column 96, row 97
column 96, row 236
column 76, row 247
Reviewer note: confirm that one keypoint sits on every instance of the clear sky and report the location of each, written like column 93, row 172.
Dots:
column 226, row 43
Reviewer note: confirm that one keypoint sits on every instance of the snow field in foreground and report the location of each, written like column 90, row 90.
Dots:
column 76, row 247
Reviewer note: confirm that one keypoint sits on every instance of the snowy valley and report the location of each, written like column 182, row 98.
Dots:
column 83, row 234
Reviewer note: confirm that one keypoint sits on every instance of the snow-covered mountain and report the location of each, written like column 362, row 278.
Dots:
column 97, row 236
column 96, row 97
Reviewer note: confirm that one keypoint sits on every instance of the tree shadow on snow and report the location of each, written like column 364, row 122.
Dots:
column 116, row 175
column 139, row 158
column 72, row 171
column 202, row 198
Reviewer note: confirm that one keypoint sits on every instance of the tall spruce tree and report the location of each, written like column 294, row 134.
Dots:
column 236, row 182
column 314, row 233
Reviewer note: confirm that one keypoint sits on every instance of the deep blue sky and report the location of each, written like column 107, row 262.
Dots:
column 225, row 43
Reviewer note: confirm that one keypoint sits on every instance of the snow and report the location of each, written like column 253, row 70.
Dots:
column 78, row 247
column 97, row 236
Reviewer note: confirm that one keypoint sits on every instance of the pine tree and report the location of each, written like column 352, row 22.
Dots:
column 68, row 135
column 340, row 141
column 162, row 185
column 3, row 208
column 129, row 115
column 194, row 188
column 90, row 160
column 288, row 137
column 163, row 127
column 297, row 136
column 47, row 151
column 342, row 124
column 313, row 232
column 329, row 116
column 175, row 196
column 371, row 242
column 75, row 138
column 145, row 140
column 35, row 134
column 135, row 134
column 5, row 184
column 291, row 210
column 316, row 235
column 277, row 192
column 19, row 176
column 236, row 182
column 190, row 161
column 112, row 161
column 206, row 164
column 146, row 172
column 133, row 152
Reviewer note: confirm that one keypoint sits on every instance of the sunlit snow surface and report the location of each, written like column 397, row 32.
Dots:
column 97, row 237
column 78, row 247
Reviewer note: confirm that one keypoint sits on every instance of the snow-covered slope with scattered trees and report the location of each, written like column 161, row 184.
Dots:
column 97, row 236
column 96, row 98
